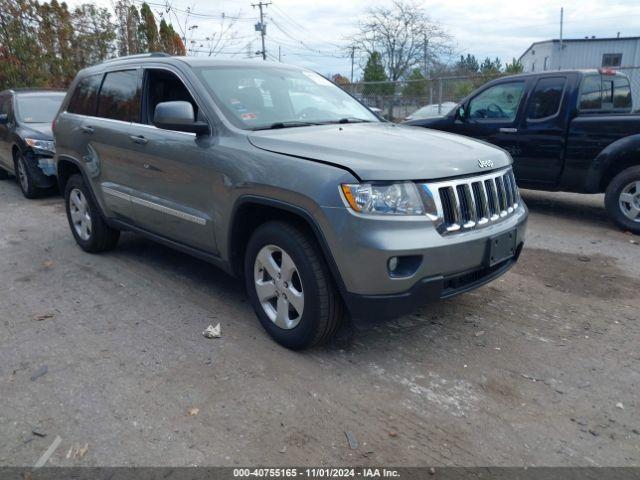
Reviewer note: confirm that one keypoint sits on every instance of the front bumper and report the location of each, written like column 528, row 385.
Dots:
column 449, row 264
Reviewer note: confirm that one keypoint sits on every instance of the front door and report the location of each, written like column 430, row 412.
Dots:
column 492, row 115
column 543, row 134
column 175, row 171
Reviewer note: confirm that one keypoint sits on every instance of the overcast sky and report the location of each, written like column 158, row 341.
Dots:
column 502, row 28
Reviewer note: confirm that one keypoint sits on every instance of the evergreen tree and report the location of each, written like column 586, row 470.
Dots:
column 148, row 29
column 374, row 72
column 417, row 86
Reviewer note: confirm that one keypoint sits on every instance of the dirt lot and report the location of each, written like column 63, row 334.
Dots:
column 539, row 368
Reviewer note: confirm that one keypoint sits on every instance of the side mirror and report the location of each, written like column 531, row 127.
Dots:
column 178, row 116
column 461, row 114
column 4, row 119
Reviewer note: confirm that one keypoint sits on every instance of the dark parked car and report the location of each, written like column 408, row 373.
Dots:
column 26, row 141
column 567, row 131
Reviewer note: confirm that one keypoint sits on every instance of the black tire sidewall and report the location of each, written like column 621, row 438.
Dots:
column 612, row 198
column 303, row 335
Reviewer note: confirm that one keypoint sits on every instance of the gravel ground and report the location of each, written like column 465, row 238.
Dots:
column 541, row 367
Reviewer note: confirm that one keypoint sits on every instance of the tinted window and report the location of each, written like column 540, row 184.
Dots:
column 4, row 104
column 38, row 108
column 621, row 93
column 120, row 96
column 497, row 103
column 545, row 100
column 607, row 92
column 84, row 97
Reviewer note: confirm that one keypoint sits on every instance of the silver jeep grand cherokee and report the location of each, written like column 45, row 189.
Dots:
column 275, row 174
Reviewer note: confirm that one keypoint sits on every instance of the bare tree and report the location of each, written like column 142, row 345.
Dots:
column 224, row 36
column 404, row 36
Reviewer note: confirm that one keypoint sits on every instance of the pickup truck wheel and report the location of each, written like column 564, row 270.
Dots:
column 622, row 199
column 290, row 287
column 88, row 226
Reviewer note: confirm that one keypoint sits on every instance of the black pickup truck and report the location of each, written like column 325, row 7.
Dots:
column 570, row 131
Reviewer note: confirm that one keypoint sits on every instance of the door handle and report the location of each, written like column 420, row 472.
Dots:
column 139, row 139
column 508, row 130
column 87, row 129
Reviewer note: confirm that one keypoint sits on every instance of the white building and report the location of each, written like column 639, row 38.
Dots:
column 622, row 53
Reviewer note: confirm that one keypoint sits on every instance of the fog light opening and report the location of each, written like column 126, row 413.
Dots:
column 404, row 266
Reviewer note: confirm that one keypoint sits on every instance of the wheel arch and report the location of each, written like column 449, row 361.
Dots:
column 615, row 158
column 250, row 212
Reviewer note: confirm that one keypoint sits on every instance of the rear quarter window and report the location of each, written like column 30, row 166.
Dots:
column 602, row 93
column 85, row 96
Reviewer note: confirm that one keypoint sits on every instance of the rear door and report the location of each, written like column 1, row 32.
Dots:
column 109, row 134
column 492, row 115
column 542, row 135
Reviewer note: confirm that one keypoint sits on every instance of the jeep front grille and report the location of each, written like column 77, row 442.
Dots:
column 473, row 202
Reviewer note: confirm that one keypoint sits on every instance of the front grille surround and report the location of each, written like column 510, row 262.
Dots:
column 470, row 203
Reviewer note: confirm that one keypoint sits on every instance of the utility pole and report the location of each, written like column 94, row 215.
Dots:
column 561, row 33
column 261, row 27
column 425, row 45
column 353, row 57
column 279, row 53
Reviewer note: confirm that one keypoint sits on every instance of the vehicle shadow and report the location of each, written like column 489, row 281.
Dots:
column 570, row 206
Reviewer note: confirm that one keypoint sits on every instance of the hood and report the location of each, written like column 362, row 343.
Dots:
column 41, row 131
column 383, row 151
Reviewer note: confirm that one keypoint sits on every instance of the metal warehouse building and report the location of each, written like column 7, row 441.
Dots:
column 622, row 53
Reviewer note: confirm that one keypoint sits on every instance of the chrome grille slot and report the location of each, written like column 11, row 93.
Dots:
column 474, row 202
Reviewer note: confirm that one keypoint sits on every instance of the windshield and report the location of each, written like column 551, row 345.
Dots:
column 38, row 108
column 255, row 98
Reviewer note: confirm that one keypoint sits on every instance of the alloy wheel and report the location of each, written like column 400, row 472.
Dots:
column 279, row 287
column 22, row 175
column 630, row 201
column 80, row 215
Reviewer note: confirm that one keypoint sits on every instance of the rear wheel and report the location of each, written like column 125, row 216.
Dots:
column 88, row 227
column 622, row 199
column 290, row 287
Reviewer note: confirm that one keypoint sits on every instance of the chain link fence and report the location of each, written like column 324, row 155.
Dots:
column 396, row 101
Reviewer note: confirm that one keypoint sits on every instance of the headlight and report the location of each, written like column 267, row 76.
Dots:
column 384, row 199
column 41, row 145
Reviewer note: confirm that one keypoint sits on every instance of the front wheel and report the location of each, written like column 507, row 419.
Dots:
column 26, row 178
column 622, row 199
column 87, row 224
column 290, row 287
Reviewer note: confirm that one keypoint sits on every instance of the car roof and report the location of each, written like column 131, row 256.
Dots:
column 190, row 61
column 33, row 91
column 583, row 71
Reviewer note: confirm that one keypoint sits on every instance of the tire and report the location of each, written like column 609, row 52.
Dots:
column 87, row 224
column 26, row 178
column 322, row 308
column 622, row 199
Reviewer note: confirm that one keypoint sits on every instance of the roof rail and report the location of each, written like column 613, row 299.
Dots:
column 140, row 55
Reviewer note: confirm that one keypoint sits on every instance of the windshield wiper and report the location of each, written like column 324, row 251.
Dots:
column 349, row 120
column 289, row 124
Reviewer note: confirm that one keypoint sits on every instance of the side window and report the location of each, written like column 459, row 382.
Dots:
column 4, row 104
column 497, row 103
column 164, row 86
column 84, row 97
column 622, row 93
column 119, row 97
column 609, row 92
column 591, row 93
column 546, row 97
column 611, row 59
